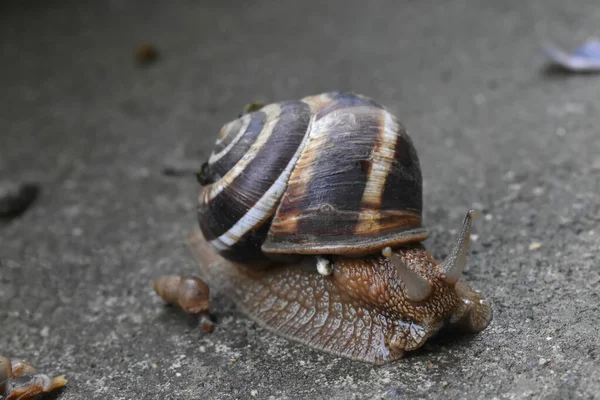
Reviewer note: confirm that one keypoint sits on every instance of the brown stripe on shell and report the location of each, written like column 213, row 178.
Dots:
column 334, row 174
column 319, row 102
column 405, row 172
column 350, row 244
column 372, row 220
column 376, row 222
column 302, row 172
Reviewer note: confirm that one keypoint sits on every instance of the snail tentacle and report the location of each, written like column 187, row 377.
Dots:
column 417, row 287
column 454, row 264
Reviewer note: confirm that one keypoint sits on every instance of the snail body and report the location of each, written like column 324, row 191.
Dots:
column 310, row 219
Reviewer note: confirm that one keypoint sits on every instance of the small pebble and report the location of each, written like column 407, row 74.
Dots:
column 479, row 99
column 45, row 332
column 535, row 246
column 445, row 384
column 177, row 374
column 254, row 393
column 478, row 206
column 206, row 323
column 538, row 191
column 509, row 176
column 15, row 198
column 249, row 108
column 542, row 361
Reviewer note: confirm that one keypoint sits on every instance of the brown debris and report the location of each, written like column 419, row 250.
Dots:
column 206, row 323
column 19, row 381
column 146, row 53
column 250, row 108
column 189, row 293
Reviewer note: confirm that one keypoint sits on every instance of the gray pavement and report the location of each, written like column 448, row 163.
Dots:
column 494, row 127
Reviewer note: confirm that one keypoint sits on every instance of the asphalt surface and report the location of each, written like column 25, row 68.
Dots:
column 495, row 128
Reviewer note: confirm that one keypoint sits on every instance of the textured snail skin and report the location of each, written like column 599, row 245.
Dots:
column 360, row 311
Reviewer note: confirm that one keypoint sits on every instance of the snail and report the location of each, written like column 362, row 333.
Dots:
column 19, row 381
column 310, row 220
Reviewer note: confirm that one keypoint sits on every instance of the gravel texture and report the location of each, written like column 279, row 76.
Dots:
column 496, row 129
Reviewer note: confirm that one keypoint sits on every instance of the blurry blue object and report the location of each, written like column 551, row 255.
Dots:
column 584, row 59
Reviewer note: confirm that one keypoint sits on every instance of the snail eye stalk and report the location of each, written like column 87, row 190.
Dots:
column 416, row 287
column 454, row 264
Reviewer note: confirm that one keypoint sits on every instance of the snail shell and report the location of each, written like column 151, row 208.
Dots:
column 329, row 174
column 189, row 293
